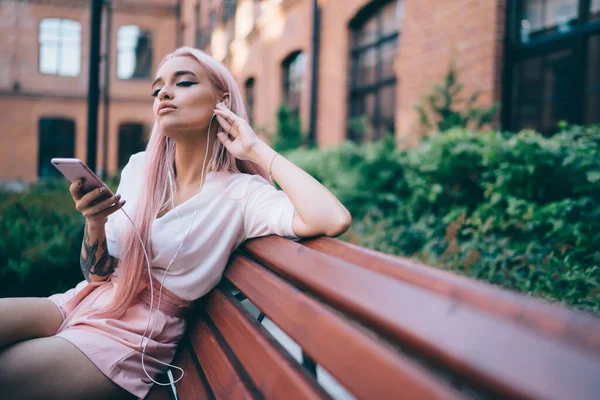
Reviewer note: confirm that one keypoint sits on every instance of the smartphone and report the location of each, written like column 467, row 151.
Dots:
column 74, row 169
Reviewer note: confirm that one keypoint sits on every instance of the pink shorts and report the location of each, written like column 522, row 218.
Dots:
column 113, row 345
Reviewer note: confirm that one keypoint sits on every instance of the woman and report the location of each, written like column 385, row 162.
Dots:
column 195, row 194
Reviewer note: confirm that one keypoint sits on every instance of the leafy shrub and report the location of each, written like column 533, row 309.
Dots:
column 40, row 240
column 441, row 109
column 289, row 131
column 518, row 210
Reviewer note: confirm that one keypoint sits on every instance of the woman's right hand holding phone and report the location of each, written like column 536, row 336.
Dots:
column 95, row 205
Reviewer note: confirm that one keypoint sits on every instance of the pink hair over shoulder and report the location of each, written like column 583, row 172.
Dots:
column 155, row 195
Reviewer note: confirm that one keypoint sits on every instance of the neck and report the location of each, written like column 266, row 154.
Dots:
column 190, row 155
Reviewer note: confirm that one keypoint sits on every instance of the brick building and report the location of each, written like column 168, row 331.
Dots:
column 372, row 59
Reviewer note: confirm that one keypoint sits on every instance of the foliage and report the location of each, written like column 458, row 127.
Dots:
column 289, row 131
column 358, row 128
column 443, row 103
column 40, row 240
column 514, row 210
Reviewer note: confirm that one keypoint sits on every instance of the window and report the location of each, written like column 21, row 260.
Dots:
column 374, row 42
column 134, row 47
column 56, row 139
column 541, row 17
column 228, row 9
column 198, row 35
column 249, row 91
column 552, row 64
column 212, row 20
column 595, row 9
column 293, row 71
column 592, row 82
column 131, row 140
column 545, row 87
column 60, row 47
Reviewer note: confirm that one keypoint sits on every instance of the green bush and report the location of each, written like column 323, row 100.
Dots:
column 441, row 112
column 520, row 210
column 40, row 240
column 289, row 131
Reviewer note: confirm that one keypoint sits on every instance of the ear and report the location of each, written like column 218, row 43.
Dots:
column 227, row 100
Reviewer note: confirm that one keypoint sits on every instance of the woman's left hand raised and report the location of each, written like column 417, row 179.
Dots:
column 244, row 137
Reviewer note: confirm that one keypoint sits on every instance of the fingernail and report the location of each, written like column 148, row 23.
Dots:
column 117, row 197
column 80, row 183
column 102, row 189
column 122, row 202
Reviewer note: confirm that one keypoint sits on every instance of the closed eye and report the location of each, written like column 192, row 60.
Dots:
column 182, row 83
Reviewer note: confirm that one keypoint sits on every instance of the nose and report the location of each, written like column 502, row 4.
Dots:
column 165, row 94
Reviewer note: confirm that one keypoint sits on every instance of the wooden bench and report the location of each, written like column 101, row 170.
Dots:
column 384, row 327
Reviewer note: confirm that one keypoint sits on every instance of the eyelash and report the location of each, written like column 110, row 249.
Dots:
column 183, row 83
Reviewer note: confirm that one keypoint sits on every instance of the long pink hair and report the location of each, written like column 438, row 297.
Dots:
column 155, row 195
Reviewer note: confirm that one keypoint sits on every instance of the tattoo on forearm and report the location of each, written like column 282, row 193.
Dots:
column 92, row 263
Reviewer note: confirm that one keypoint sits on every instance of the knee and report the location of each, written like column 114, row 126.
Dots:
column 9, row 370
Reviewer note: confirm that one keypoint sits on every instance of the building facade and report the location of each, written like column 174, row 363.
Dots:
column 44, row 70
column 336, row 64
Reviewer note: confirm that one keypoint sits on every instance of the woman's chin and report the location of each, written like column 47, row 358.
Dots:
column 172, row 129
column 177, row 131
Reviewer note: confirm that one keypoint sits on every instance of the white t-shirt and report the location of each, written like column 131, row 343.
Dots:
column 222, row 223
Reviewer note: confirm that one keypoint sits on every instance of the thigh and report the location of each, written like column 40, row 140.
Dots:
column 53, row 368
column 27, row 318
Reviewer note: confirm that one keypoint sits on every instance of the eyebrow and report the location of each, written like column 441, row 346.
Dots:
column 175, row 75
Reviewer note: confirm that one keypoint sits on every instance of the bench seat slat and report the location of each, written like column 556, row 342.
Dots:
column 274, row 373
column 221, row 374
column 497, row 354
column 191, row 385
column 366, row 367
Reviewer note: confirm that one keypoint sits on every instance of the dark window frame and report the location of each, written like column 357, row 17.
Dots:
column 54, row 135
column 360, row 92
column 119, row 51
column 545, row 44
column 198, row 31
column 128, row 128
column 250, row 93
column 212, row 21
column 286, row 82
column 228, row 10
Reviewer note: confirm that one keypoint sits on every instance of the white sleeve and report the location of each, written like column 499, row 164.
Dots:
column 127, row 183
column 267, row 210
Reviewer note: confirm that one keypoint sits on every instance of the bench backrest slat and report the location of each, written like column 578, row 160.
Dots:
column 259, row 353
column 225, row 380
column 558, row 321
column 193, row 385
column 333, row 342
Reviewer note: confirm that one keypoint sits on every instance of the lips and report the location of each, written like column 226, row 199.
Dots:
column 165, row 108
